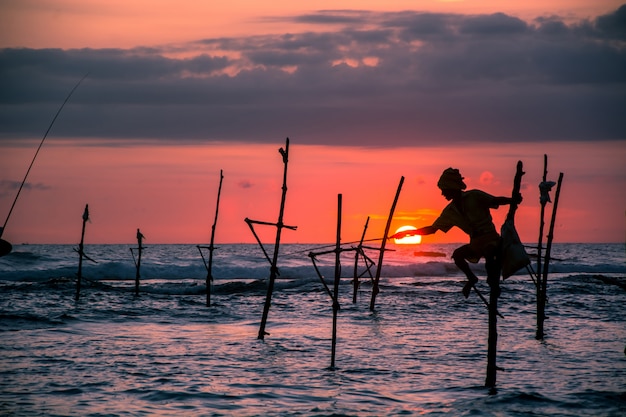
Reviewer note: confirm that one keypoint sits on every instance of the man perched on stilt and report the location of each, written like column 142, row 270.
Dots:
column 469, row 211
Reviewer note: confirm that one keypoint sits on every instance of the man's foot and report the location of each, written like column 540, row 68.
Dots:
column 471, row 281
column 467, row 289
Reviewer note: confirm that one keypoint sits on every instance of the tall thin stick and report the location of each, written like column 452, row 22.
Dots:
column 209, row 276
column 359, row 250
column 540, row 305
column 493, row 278
column 279, row 228
column 375, row 289
column 81, row 253
column 337, row 279
column 140, row 248
column 544, row 282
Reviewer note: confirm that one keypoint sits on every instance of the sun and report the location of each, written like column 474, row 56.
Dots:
column 408, row 240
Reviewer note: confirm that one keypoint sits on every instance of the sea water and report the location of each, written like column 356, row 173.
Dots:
column 421, row 351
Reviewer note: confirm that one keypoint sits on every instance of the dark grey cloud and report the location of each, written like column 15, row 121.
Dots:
column 336, row 17
column 610, row 26
column 361, row 78
column 497, row 24
column 8, row 188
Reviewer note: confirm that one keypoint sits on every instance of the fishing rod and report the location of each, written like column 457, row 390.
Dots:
column 33, row 161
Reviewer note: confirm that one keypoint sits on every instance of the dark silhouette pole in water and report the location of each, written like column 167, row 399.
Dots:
column 336, row 283
column 543, row 200
column 140, row 248
column 6, row 247
column 279, row 227
column 81, row 253
column 375, row 289
column 543, row 288
column 368, row 263
column 211, row 247
column 334, row 295
column 494, row 283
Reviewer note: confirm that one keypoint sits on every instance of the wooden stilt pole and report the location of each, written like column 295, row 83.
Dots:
column 493, row 278
column 538, row 283
column 492, row 341
column 543, row 293
column 140, row 248
column 359, row 251
column 209, row 265
column 334, row 294
column 81, row 253
column 375, row 289
column 336, row 283
column 279, row 227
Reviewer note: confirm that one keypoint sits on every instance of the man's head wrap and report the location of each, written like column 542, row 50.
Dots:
column 451, row 179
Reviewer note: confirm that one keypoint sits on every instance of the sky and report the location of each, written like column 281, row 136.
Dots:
column 367, row 93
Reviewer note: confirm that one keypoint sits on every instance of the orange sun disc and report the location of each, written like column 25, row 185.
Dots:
column 408, row 240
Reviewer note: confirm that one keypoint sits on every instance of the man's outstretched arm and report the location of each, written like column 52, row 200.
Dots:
column 501, row 201
column 426, row 230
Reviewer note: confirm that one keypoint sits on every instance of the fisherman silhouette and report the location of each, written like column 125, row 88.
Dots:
column 469, row 211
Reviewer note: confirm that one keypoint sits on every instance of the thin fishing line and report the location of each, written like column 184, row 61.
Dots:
column 37, row 152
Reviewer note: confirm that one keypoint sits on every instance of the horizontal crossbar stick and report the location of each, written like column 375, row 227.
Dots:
column 347, row 243
column 270, row 224
column 313, row 254
column 206, row 247
column 371, row 248
column 534, row 255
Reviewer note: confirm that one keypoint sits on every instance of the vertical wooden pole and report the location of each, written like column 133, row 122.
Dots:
column 355, row 282
column 279, row 228
column 81, row 253
column 375, row 289
column 540, row 305
column 140, row 238
column 337, row 279
column 209, row 276
column 543, row 295
column 492, row 341
column 493, row 278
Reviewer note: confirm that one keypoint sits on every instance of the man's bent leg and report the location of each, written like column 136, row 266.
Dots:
column 459, row 256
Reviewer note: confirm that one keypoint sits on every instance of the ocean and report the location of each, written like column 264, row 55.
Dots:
column 421, row 351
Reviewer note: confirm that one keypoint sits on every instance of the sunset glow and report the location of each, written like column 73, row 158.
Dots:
column 367, row 94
